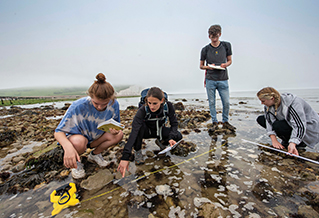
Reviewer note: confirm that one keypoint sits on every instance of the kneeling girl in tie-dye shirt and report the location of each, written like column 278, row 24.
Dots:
column 78, row 131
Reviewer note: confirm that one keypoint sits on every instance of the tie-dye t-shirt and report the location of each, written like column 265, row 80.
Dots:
column 82, row 118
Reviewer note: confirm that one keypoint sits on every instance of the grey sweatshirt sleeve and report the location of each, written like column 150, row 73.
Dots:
column 268, row 125
column 297, row 119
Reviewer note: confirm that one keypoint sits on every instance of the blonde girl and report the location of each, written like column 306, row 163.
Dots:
column 289, row 118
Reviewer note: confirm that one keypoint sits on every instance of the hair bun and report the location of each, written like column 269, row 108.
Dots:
column 101, row 78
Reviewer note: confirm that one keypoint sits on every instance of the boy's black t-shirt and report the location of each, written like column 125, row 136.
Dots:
column 217, row 56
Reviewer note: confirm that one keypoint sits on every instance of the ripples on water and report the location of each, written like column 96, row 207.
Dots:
column 223, row 172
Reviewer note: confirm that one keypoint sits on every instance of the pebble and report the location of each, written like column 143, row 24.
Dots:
column 17, row 168
column 17, row 159
column 12, row 150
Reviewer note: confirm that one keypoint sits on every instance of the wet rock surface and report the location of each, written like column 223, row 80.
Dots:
column 35, row 171
column 184, row 148
column 38, row 124
column 231, row 179
column 98, row 180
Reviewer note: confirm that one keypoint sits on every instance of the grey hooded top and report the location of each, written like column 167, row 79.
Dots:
column 299, row 115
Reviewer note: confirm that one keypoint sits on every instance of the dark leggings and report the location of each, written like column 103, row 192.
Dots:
column 281, row 127
column 146, row 133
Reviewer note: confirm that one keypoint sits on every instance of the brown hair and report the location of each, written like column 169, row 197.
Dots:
column 214, row 30
column 269, row 93
column 156, row 93
column 101, row 89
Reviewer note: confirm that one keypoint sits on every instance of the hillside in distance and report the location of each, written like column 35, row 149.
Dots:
column 121, row 90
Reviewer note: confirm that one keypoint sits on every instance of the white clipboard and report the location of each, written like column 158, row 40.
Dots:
column 169, row 148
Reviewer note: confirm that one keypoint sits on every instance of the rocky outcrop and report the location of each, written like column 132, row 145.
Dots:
column 98, row 180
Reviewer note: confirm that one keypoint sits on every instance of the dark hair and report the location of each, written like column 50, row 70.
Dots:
column 214, row 30
column 156, row 93
column 101, row 89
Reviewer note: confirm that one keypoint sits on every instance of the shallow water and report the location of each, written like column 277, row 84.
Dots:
column 26, row 148
column 249, row 99
column 223, row 171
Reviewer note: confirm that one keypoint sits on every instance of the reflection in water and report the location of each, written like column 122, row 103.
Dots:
column 214, row 182
column 161, row 189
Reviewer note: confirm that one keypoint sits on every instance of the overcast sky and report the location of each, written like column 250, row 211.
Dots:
column 157, row 43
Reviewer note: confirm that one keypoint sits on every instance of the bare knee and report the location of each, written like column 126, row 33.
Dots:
column 114, row 139
column 79, row 142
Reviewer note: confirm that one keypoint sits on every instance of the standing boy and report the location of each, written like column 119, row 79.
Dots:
column 217, row 54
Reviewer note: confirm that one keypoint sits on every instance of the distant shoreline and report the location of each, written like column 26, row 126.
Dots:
column 26, row 100
column 27, row 96
column 53, row 92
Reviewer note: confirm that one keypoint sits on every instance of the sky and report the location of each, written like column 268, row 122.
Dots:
column 157, row 43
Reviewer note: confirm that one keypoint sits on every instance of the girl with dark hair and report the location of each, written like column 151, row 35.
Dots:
column 78, row 131
column 149, row 122
column 289, row 118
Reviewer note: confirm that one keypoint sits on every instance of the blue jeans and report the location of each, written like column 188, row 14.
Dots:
column 223, row 90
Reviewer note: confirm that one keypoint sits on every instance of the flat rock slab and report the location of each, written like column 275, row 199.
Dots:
column 98, row 180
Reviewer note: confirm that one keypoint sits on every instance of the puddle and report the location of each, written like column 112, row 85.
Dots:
column 24, row 149
column 6, row 116
column 54, row 117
